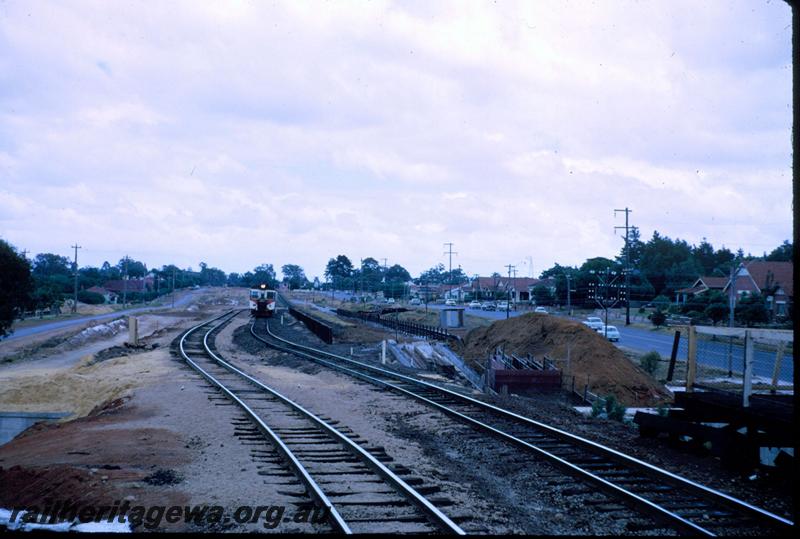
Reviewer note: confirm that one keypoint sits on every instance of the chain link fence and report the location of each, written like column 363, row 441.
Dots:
column 735, row 359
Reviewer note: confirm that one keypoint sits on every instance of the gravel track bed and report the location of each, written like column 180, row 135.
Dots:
column 769, row 493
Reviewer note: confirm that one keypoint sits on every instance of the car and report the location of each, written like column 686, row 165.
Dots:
column 474, row 304
column 390, row 301
column 609, row 332
column 488, row 306
column 450, row 302
column 415, row 301
column 594, row 322
column 540, row 310
column 503, row 306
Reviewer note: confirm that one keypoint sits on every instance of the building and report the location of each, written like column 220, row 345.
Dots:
column 701, row 285
column 773, row 280
column 121, row 286
column 519, row 288
column 108, row 295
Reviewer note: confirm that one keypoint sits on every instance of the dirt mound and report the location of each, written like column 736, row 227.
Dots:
column 591, row 357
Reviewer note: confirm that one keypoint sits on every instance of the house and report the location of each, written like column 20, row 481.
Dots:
column 700, row 286
column 520, row 288
column 108, row 295
column 121, row 286
column 773, row 280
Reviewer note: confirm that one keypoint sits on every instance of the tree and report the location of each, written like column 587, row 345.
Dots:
column 716, row 311
column 263, row 274
column 16, row 285
column 339, row 270
column 542, row 295
column 135, row 268
column 784, row 253
column 658, row 318
column 294, row 276
column 211, row 276
column 751, row 310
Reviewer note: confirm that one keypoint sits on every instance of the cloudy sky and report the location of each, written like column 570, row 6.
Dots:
column 239, row 133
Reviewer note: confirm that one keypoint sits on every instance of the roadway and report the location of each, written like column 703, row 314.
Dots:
column 61, row 324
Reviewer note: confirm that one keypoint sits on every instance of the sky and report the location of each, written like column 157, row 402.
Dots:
column 240, row 133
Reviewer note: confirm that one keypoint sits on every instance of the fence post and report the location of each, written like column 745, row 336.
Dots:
column 673, row 356
column 747, row 386
column 383, row 352
column 777, row 369
column 691, row 359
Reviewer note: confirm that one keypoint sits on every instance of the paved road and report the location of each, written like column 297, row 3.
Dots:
column 25, row 332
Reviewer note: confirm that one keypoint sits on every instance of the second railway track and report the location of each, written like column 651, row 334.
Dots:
column 351, row 483
column 675, row 502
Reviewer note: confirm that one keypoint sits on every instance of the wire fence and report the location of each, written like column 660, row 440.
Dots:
column 737, row 359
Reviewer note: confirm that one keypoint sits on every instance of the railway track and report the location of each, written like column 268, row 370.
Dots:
column 675, row 502
column 358, row 492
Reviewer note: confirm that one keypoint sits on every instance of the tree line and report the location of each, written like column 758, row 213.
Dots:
column 46, row 281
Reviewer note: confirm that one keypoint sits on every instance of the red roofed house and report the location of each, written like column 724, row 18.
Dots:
column 701, row 285
column 773, row 280
column 133, row 285
column 519, row 287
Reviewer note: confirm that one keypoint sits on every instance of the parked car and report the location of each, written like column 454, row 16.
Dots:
column 503, row 305
column 415, row 301
column 610, row 332
column 488, row 306
column 390, row 301
column 450, row 302
column 474, row 304
column 540, row 310
column 594, row 322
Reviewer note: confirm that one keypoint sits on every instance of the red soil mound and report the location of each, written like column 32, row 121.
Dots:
column 591, row 357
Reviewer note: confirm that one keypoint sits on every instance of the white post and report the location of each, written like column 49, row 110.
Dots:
column 747, row 387
column 777, row 369
column 691, row 359
column 281, row 319
column 383, row 352
column 133, row 331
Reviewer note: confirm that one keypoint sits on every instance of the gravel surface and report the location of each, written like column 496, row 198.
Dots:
column 167, row 438
column 765, row 492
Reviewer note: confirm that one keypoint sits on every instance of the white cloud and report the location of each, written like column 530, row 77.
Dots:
column 242, row 133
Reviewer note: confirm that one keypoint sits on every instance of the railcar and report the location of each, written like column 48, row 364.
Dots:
column 263, row 302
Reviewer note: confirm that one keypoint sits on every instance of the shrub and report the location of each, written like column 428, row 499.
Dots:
column 617, row 413
column 658, row 318
column 649, row 362
column 92, row 298
column 610, row 402
column 597, row 407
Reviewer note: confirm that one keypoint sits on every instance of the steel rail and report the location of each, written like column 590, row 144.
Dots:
column 438, row 518
column 336, row 520
column 616, row 456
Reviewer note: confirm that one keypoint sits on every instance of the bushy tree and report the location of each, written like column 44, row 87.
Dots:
column 751, row 310
column 263, row 274
column 783, row 253
column 658, row 318
column 92, row 298
column 16, row 285
column 294, row 276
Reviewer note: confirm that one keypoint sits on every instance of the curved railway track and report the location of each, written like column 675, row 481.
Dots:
column 676, row 502
column 357, row 491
